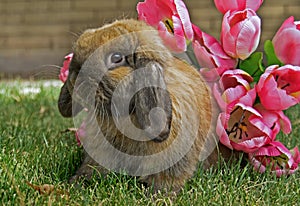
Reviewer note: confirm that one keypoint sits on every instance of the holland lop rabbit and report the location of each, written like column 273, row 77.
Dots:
column 132, row 77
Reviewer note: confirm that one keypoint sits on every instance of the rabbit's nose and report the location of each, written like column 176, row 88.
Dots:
column 160, row 123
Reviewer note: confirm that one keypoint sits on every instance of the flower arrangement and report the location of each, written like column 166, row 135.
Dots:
column 252, row 93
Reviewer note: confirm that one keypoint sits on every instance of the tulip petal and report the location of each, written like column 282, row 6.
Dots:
column 218, row 97
column 230, row 78
column 257, row 164
column 251, row 145
column 220, row 129
column 225, row 5
column 285, row 123
column 240, row 33
column 209, row 52
column 204, row 58
column 274, row 98
column 64, row 71
column 287, row 42
column 234, row 93
column 210, row 75
column 258, row 123
column 185, row 18
column 253, row 4
column 287, row 46
column 288, row 23
column 149, row 12
column 248, row 38
column 169, row 39
column 277, row 157
column 247, row 101
column 178, row 33
column 156, row 13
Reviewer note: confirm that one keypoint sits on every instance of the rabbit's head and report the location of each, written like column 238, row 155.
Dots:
column 118, row 69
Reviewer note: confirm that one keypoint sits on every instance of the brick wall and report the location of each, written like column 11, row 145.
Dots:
column 37, row 33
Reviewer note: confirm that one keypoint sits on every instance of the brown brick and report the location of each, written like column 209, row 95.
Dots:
column 32, row 52
column 59, row 5
column 13, row 7
column 29, row 27
column 58, row 42
column 106, row 17
column 293, row 10
column 58, row 18
column 24, row 6
column 11, row 19
column 266, row 34
column 203, row 24
column 274, row 11
column 200, row 4
column 205, row 13
column 28, row 42
column 33, row 30
column 127, row 5
column 271, row 24
column 93, row 5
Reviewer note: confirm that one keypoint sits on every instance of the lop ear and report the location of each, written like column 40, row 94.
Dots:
column 65, row 102
column 66, row 106
column 152, row 102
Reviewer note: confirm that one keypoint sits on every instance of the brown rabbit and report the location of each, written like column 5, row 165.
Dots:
column 171, row 118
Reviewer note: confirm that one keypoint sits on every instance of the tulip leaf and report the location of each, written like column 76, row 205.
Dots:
column 253, row 65
column 272, row 59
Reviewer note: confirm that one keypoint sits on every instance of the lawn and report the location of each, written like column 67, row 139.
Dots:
column 35, row 146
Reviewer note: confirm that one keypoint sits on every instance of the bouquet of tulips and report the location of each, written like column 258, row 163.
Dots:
column 252, row 93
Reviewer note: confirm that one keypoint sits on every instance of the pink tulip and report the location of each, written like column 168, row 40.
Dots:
column 273, row 120
column 171, row 18
column 277, row 157
column 225, row 5
column 235, row 136
column 240, row 33
column 80, row 133
column 296, row 155
column 278, row 88
column 209, row 51
column 211, row 76
column 236, row 131
column 233, row 85
column 64, row 71
column 287, row 42
column 245, row 127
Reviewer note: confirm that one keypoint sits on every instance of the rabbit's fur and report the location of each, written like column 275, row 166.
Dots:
column 186, row 101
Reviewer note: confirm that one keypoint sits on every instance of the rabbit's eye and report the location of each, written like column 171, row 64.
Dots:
column 115, row 59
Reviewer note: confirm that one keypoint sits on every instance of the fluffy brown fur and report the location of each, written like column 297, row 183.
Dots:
column 187, row 95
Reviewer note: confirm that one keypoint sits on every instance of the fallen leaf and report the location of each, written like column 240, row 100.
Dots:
column 42, row 110
column 16, row 98
column 72, row 129
column 47, row 189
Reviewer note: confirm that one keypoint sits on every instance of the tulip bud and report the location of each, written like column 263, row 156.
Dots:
column 240, row 33
column 225, row 5
column 287, row 42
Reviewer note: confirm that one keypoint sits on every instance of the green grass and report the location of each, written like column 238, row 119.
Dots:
column 34, row 147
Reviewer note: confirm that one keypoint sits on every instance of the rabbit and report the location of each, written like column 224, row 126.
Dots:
column 177, row 112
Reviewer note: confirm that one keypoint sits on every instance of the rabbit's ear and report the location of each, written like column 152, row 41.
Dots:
column 65, row 102
column 152, row 102
column 66, row 106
